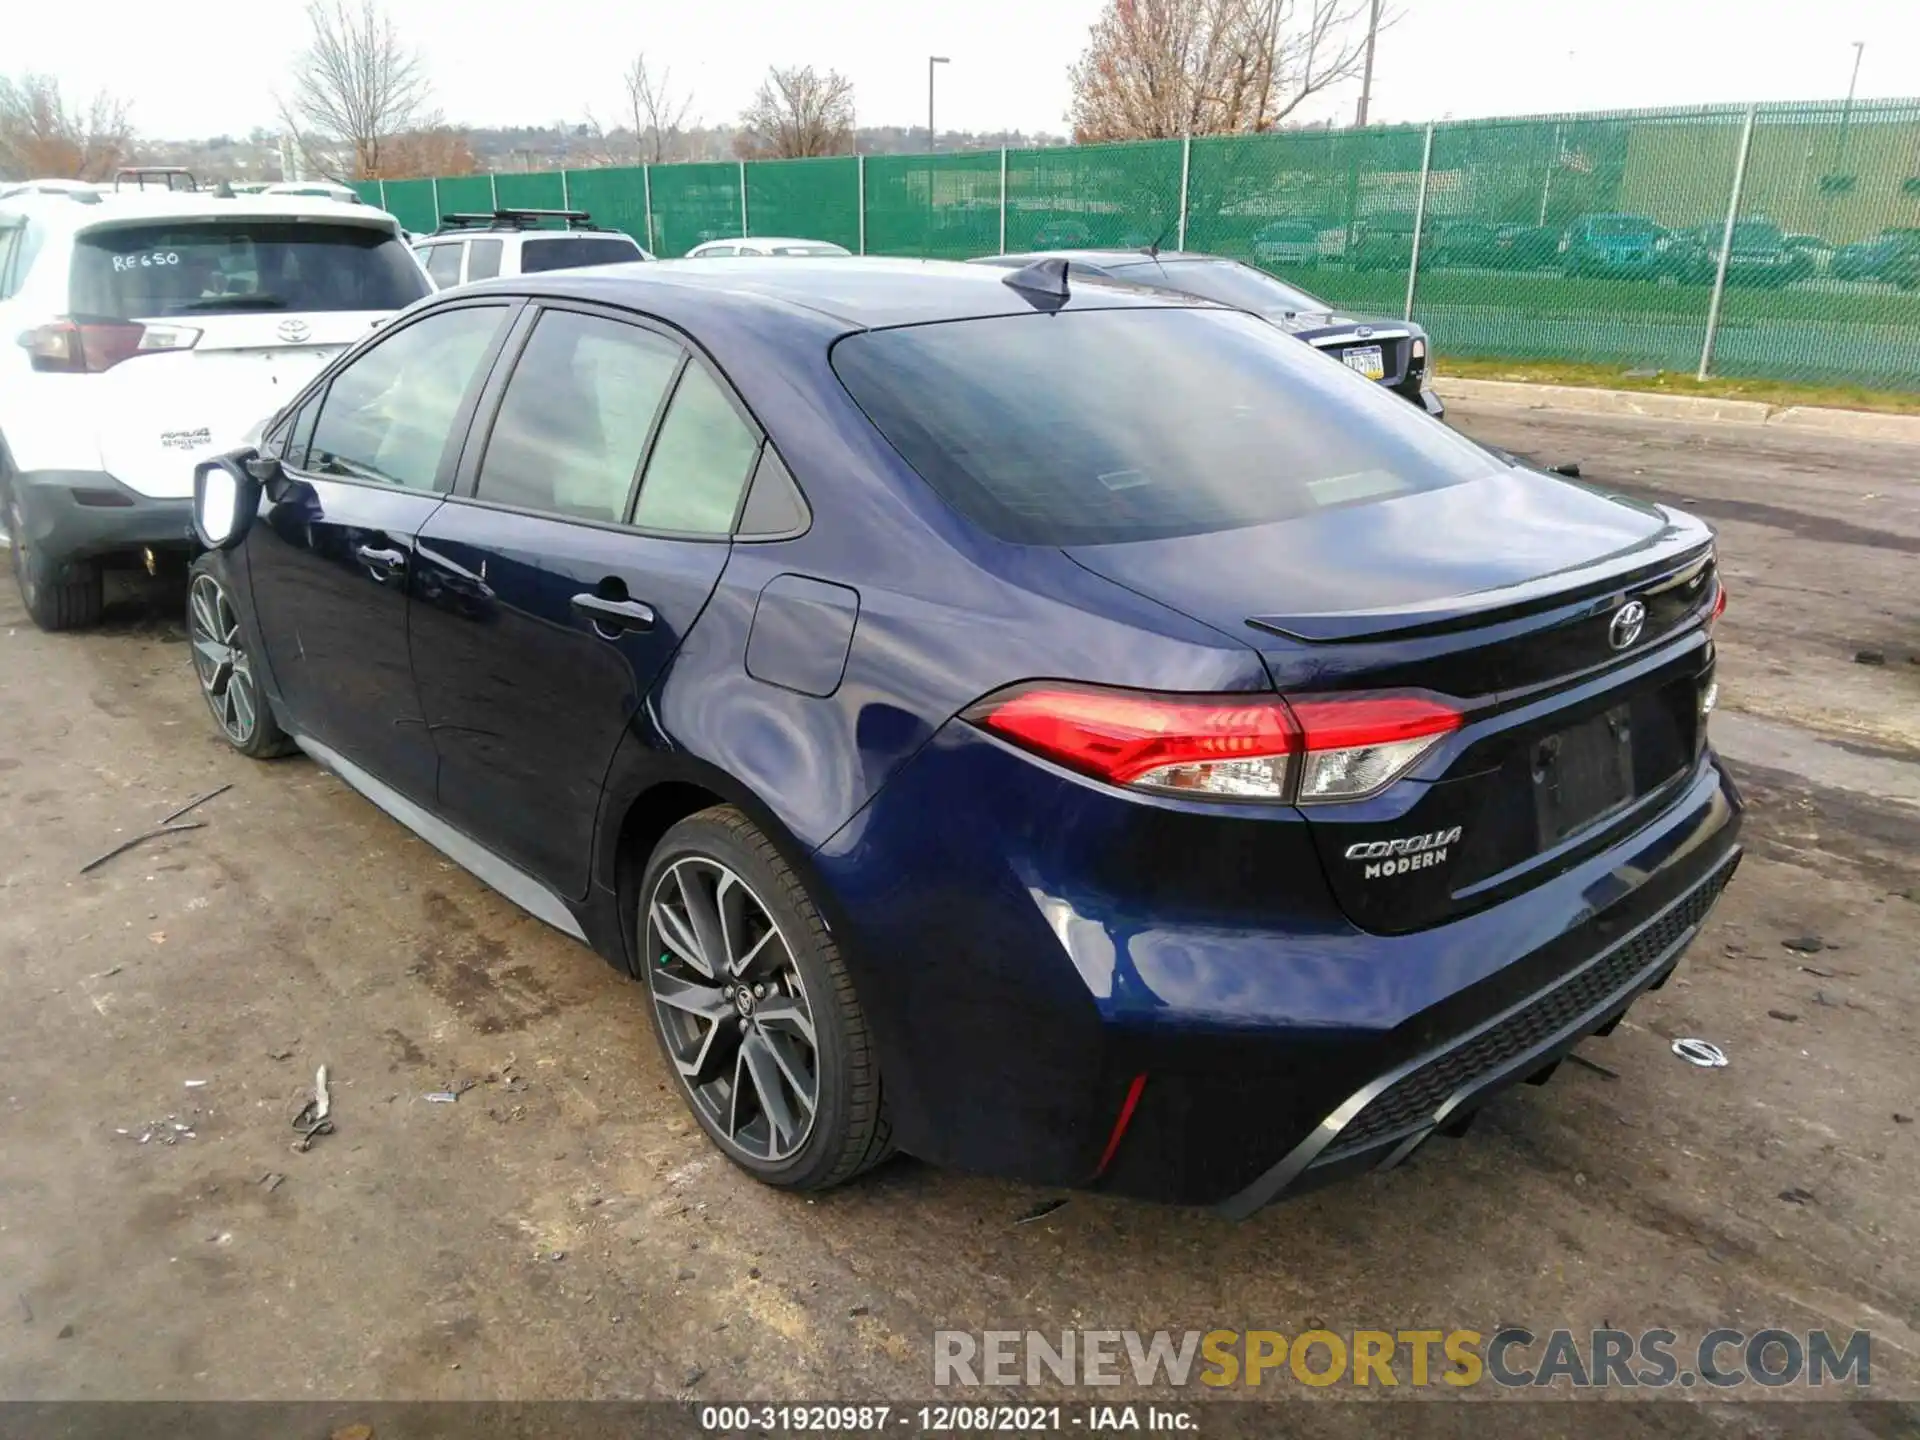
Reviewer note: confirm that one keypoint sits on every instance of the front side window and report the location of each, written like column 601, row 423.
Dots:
column 575, row 418
column 388, row 416
column 699, row 463
column 226, row 267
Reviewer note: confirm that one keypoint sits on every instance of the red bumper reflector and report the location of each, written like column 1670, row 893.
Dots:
column 1120, row 1125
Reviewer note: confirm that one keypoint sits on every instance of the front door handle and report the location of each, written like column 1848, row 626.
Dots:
column 387, row 563
column 614, row 615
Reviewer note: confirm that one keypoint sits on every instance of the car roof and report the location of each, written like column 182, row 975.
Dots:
column 859, row 293
column 767, row 240
column 1110, row 259
column 79, row 212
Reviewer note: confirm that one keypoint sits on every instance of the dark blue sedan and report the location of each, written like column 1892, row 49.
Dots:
column 1069, row 732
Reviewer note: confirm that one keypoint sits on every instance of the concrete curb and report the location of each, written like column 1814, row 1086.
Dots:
column 1811, row 419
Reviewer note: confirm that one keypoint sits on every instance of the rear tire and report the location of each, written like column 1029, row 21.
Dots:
column 754, row 1008
column 59, row 595
column 226, row 671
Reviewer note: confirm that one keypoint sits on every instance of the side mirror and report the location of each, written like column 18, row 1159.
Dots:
column 226, row 495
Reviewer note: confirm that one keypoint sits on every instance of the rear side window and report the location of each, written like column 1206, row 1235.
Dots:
column 483, row 259
column 574, row 421
column 1096, row 426
column 443, row 263
column 388, row 416
column 700, row 461
column 214, row 267
column 557, row 254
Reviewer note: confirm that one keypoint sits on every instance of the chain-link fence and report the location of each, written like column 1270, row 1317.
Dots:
column 1777, row 241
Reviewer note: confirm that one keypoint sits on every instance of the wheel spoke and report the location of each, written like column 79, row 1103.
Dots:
column 678, row 937
column 240, row 687
column 792, row 1068
column 703, row 914
column 769, row 942
column 757, row 1067
column 787, row 1015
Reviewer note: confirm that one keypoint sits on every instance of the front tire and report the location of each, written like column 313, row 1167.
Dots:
column 59, row 595
column 754, row 1008
column 229, row 680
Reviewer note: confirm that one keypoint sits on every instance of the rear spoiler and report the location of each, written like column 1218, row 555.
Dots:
column 1671, row 557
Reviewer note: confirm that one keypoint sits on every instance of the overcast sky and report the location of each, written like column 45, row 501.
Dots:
column 195, row 68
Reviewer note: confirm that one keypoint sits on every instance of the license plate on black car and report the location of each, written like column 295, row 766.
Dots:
column 1581, row 774
column 1367, row 360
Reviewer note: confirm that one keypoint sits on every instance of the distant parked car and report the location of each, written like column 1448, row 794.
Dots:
column 765, row 245
column 487, row 244
column 1382, row 242
column 1062, row 235
column 1526, row 247
column 317, row 189
column 1392, row 353
column 1618, row 245
column 1447, row 243
column 1288, row 244
column 1807, row 255
column 1759, row 255
column 1892, row 255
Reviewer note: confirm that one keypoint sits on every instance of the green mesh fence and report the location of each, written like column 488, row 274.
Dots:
column 368, row 191
column 1592, row 238
column 946, row 207
column 613, row 197
column 1097, row 195
column 806, row 199
column 693, row 204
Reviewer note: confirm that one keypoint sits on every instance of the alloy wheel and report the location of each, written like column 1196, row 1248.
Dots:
column 733, row 1009
column 220, row 660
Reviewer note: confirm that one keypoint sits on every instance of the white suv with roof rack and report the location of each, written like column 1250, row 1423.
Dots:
column 486, row 244
column 144, row 329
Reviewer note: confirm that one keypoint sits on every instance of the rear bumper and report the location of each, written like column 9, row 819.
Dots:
column 82, row 514
column 1027, row 946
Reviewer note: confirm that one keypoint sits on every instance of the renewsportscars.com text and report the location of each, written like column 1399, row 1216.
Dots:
column 1512, row 1358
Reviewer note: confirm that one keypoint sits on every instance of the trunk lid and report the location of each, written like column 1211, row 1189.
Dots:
column 1503, row 594
column 166, row 412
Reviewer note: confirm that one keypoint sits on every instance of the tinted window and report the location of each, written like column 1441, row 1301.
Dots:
column 1225, row 283
column 389, row 414
column 213, row 267
column 1088, row 427
column 574, row 422
column 483, row 259
column 804, row 248
column 708, row 252
column 700, row 461
column 290, row 439
column 443, row 263
column 557, row 254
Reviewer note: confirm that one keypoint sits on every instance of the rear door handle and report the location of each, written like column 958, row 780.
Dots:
column 387, row 562
column 615, row 615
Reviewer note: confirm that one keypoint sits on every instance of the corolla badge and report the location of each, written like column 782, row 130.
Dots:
column 1407, row 852
column 1627, row 623
column 295, row 332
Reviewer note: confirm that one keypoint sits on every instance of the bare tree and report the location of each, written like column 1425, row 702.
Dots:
column 1159, row 69
column 797, row 112
column 432, row 149
column 656, row 111
column 41, row 137
column 357, row 86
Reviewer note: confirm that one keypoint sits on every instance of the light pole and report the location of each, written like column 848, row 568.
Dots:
column 1366, row 73
column 1846, row 111
column 932, row 60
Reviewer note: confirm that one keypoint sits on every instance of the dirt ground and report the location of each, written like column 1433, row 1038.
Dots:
column 564, row 1230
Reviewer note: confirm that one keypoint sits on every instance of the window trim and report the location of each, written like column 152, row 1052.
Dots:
column 465, row 488
column 462, row 415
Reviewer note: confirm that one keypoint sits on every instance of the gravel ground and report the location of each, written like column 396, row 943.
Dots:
column 564, row 1230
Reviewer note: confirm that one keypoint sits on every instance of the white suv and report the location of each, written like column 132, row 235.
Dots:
column 142, row 330
column 488, row 244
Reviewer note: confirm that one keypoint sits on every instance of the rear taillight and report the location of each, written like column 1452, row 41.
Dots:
column 1313, row 749
column 83, row 345
column 1719, row 603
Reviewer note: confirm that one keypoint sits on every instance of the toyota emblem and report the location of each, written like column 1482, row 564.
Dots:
column 1627, row 623
column 295, row 332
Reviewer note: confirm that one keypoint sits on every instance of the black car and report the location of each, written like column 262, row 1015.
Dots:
column 1393, row 352
column 1066, row 731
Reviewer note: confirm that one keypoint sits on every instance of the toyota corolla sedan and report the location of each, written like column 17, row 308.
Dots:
column 1064, row 731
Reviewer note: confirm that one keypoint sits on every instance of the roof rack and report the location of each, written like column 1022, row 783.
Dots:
column 515, row 219
column 140, row 174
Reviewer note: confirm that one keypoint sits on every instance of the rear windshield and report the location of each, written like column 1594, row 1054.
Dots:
column 188, row 267
column 1224, row 282
column 558, row 254
column 1091, row 427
